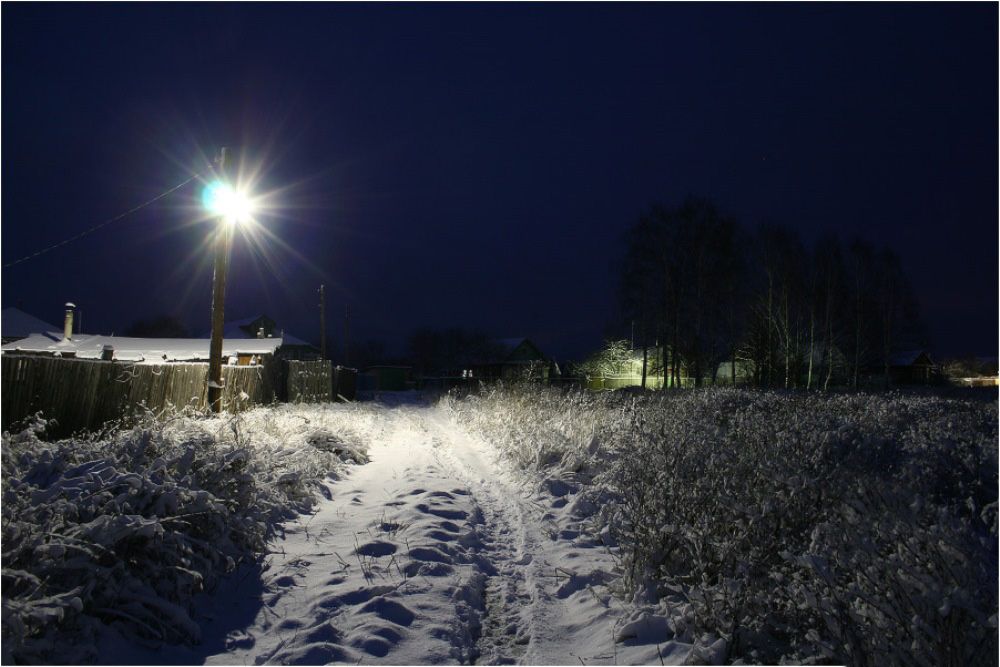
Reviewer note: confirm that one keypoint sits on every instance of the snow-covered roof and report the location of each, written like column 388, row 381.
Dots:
column 17, row 323
column 503, row 349
column 149, row 350
column 237, row 329
column 906, row 358
column 510, row 343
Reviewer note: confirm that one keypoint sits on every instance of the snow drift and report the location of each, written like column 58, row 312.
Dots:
column 125, row 529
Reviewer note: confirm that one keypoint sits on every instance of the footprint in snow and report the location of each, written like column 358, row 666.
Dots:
column 376, row 549
column 389, row 610
column 355, row 597
column 311, row 654
column 430, row 554
column 389, row 526
column 375, row 646
column 426, row 569
column 578, row 582
column 325, row 632
column 386, row 632
column 440, row 536
column 444, row 514
column 449, row 526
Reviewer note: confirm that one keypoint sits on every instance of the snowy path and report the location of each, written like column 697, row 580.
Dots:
column 434, row 552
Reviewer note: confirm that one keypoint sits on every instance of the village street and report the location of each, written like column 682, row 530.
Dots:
column 433, row 552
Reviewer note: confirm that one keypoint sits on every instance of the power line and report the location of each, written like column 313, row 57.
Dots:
column 103, row 224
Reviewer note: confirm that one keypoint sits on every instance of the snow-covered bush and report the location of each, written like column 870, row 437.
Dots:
column 535, row 428
column 126, row 526
column 798, row 527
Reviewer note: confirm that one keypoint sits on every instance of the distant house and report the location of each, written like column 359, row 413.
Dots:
column 618, row 365
column 972, row 372
column 17, row 324
column 741, row 373
column 511, row 359
column 263, row 326
column 240, row 352
column 912, row 367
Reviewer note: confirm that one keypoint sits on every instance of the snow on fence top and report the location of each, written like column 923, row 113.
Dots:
column 147, row 350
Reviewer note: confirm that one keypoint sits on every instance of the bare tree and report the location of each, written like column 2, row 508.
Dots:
column 704, row 291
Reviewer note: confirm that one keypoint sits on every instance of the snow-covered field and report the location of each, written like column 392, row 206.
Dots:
column 518, row 526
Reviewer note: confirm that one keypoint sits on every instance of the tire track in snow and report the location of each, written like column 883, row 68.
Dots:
column 549, row 599
column 507, row 553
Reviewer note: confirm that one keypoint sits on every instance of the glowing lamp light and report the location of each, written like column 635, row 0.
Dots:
column 221, row 199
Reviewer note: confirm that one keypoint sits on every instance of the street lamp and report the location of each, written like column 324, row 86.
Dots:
column 229, row 204
column 232, row 207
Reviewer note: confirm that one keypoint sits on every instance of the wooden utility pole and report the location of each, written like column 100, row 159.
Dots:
column 347, row 331
column 322, row 323
column 223, row 242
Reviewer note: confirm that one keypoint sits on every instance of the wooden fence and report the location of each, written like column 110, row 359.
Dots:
column 84, row 394
column 309, row 381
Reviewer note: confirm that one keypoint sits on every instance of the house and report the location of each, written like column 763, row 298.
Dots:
column 263, row 326
column 617, row 366
column 912, row 367
column 971, row 372
column 238, row 351
column 17, row 324
column 510, row 359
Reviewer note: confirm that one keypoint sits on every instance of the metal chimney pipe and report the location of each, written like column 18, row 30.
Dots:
column 68, row 325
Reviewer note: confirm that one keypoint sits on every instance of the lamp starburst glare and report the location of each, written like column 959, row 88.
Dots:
column 223, row 200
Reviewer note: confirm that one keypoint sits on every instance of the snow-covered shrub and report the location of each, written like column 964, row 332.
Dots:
column 798, row 527
column 126, row 526
column 535, row 428
column 901, row 582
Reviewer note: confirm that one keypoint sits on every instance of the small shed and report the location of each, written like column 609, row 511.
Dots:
column 912, row 367
column 512, row 359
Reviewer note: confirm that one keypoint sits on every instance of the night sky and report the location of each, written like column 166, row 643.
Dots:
column 476, row 165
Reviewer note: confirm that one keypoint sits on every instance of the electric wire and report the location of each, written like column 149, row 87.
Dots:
column 103, row 224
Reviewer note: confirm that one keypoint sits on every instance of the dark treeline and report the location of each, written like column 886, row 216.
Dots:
column 161, row 326
column 707, row 295
column 433, row 350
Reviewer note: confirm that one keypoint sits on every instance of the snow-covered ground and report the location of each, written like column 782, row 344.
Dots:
column 433, row 552
column 520, row 525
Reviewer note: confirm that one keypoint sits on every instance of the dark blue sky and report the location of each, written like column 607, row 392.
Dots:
column 476, row 165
